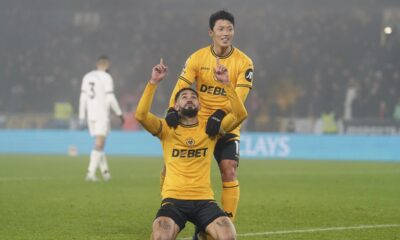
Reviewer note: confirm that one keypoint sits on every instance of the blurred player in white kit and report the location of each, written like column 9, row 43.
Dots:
column 96, row 99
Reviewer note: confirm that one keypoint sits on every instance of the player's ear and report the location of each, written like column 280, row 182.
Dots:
column 210, row 33
column 176, row 106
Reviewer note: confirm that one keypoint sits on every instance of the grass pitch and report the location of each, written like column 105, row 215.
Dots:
column 46, row 197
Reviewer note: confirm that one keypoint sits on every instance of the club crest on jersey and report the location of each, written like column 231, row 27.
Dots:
column 249, row 75
column 190, row 142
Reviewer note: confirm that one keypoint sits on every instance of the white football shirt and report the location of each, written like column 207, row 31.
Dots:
column 97, row 97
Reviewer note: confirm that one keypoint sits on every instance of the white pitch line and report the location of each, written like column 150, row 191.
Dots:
column 319, row 230
column 311, row 230
column 16, row 179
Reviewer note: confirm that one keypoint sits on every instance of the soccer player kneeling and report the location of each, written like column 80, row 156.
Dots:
column 188, row 149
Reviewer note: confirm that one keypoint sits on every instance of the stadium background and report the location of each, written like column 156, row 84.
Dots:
column 317, row 63
column 308, row 55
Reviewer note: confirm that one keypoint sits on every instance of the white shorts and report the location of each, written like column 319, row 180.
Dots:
column 99, row 128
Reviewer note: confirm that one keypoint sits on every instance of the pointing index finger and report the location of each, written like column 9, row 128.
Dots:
column 217, row 59
column 161, row 61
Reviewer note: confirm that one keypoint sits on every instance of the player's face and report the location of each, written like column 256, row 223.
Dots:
column 222, row 33
column 187, row 103
column 105, row 65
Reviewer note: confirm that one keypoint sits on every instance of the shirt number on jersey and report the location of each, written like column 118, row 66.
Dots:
column 92, row 93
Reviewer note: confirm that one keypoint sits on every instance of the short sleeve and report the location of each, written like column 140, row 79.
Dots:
column 109, row 84
column 189, row 71
column 84, row 85
column 245, row 78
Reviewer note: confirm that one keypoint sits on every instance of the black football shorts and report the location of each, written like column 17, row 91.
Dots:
column 199, row 212
column 227, row 147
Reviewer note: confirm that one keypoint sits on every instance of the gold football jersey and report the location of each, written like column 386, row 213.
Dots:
column 199, row 70
column 187, row 155
column 187, row 150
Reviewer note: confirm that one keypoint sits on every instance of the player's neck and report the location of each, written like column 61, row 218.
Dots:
column 189, row 120
column 222, row 51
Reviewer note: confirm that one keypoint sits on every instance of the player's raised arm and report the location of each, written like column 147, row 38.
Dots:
column 148, row 120
column 238, row 113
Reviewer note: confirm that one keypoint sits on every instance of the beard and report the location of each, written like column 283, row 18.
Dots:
column 189, row 112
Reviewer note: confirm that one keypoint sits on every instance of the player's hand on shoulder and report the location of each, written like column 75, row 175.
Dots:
column 214, row 123
column 158, row 72
column 172, row 117
column 221, row 72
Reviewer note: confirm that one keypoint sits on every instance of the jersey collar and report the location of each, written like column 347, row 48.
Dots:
column 222, row 57
column 190, row 125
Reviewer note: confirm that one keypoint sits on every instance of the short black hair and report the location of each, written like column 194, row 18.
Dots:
column 183, row 89
column 103, row 58
column 221, row 15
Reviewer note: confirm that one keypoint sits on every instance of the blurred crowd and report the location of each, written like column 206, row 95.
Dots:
column 331, row 61
column 309, row 59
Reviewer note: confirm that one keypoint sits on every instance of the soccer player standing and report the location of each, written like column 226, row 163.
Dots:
column 213, row 98
column 187, row 150
column 96, row 99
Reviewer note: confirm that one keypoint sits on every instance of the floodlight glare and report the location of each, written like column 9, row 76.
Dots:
column 387, row 30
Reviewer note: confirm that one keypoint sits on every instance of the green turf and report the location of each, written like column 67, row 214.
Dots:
column 46, row 197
